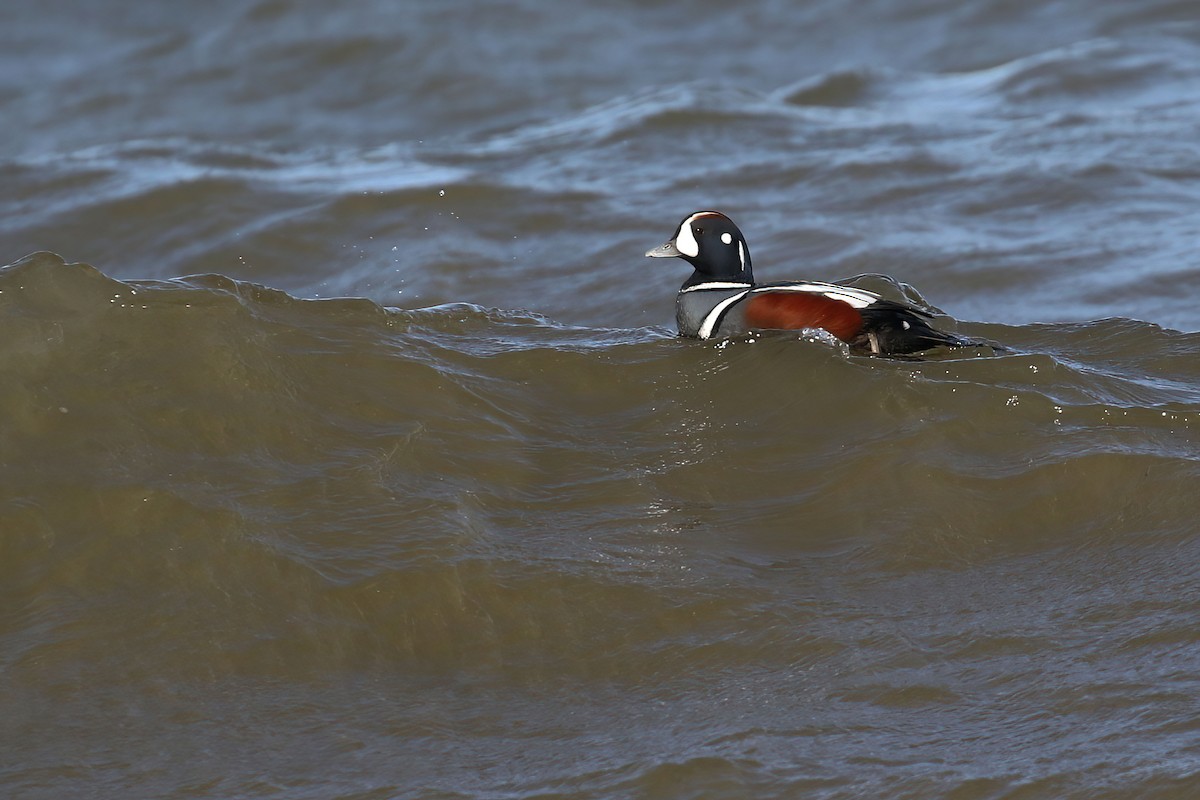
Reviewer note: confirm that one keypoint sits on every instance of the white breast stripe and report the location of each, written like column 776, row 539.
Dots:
column 700, row 287
column 714, row 316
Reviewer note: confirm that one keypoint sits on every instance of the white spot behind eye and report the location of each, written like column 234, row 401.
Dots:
column 727, row 237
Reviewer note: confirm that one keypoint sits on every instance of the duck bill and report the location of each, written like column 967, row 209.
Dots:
column 668, row 250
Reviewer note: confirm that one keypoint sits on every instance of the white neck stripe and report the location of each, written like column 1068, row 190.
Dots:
column 714, row 285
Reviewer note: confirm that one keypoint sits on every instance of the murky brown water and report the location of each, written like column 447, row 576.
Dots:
column 484, row 527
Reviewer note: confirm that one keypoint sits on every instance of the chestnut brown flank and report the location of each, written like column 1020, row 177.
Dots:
column 794, row 310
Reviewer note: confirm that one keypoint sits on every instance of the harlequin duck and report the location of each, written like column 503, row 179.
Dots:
column 721, row 298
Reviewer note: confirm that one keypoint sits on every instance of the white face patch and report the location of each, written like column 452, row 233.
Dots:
column 727, row 237
column 685, row 242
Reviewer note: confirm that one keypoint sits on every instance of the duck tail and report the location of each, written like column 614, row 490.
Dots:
column 891, row 328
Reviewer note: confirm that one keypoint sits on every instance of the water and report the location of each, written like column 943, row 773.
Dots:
column 348, row 451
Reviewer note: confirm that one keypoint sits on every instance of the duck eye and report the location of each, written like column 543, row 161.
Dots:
column 698, row 230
